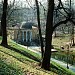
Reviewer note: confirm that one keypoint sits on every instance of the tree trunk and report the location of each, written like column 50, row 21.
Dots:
column 4, row 24
column 49, row 26
column 72, row 35
column 55, row 34
column 68, row 30
column 40, row 34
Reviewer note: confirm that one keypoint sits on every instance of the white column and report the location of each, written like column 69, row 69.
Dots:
column 23, row 36
column 30, row 36
column 26, row 36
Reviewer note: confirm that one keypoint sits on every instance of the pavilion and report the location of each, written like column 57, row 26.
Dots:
column 26, row 32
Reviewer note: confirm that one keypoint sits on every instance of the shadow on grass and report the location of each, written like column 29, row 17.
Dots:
column 7, row 69
column 23, row 53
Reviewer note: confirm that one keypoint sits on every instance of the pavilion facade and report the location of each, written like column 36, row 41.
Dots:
column 24, row 33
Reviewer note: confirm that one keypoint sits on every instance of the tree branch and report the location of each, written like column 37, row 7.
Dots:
column 61, row 22
column 63, row 7
column 72, row 21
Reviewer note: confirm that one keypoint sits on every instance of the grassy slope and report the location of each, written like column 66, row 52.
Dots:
column 18, row 61
column 60, row 69
column 15, row 63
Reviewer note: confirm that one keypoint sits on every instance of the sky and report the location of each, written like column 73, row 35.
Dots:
column 31, row 2
column 24, row 2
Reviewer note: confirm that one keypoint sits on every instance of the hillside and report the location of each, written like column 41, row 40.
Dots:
column 15, row 61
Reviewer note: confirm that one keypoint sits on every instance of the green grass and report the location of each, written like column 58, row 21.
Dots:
column 8, row 70
column 20, row 61
column 24, row 51
column 37, row 56
column 61, row 70
column 15, row 63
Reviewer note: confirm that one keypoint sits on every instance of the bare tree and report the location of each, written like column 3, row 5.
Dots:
column 49, row 26
column 40, row 34
column 4, row 23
